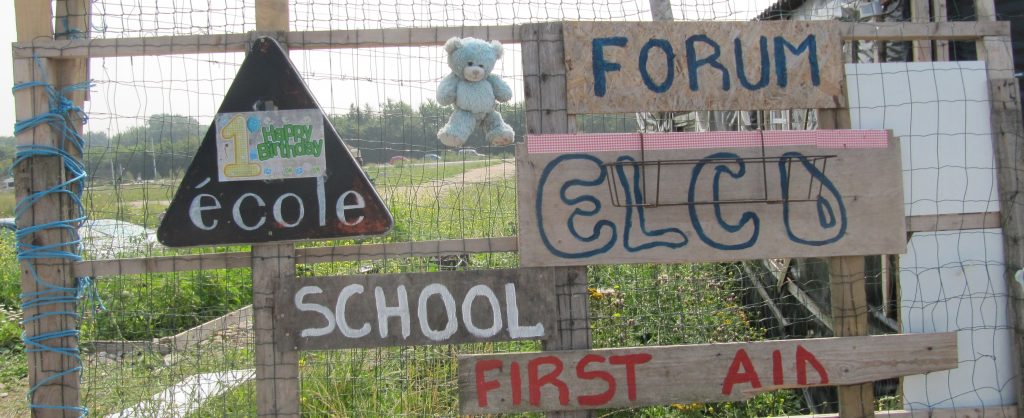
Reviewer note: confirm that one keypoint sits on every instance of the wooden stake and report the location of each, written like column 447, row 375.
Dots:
column 919, row 14
column 544, row 84
column 277, row 367
column 850, row 316
column 939, row 15
column 34, row 175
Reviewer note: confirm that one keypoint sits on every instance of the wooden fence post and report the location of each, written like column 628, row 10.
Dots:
column 61, row 395
column 850, row 318
column 546, row 112
column 1007, row 138
column 848, row 294
column 277, row 368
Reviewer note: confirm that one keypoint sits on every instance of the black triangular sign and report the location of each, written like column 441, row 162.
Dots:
column 288, row 180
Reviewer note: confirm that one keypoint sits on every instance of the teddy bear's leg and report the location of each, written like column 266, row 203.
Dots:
column 457, row 130
column 498, row 132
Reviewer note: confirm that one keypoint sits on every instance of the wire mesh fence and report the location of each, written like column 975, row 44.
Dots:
column 181, row 343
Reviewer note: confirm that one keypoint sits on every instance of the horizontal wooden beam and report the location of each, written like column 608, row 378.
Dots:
column 242, row 259
column 904, row 31
column 369, row 38
column 953, row 222
column 207, row 44
column 1006, row 411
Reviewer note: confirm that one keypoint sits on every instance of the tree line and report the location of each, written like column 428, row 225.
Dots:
column 164, row 145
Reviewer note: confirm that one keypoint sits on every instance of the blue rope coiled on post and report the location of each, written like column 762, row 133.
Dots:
column 60, row 110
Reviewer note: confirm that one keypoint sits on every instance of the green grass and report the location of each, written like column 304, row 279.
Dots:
column 7, row 201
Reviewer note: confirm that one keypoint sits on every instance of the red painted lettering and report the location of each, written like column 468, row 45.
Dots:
column 735, row 376
column 803, row 357
column 484, row 386
column 777, row 367
column 603, row 397
column 630, row 360
column 517, row 384
column 551, row 378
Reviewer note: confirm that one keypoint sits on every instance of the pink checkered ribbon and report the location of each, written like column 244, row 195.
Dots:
column 562, row 143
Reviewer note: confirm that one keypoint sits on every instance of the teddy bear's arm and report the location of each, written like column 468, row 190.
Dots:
column 502, row 92
column 446, row 90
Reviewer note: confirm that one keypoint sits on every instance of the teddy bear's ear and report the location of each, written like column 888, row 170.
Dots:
column 453, row 44
column 498, row 49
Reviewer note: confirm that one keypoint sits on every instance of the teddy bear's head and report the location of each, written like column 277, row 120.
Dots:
column 472, row 59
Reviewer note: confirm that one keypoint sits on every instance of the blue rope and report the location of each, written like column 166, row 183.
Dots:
column 60, row 110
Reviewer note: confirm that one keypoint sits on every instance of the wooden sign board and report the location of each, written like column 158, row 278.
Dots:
column 417, row 308
column 280, row 173
column 617, row 67
column 717, row 201
column 632, row 377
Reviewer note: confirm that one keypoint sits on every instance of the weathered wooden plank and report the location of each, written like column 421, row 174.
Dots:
column 545, row 104
column 1008, row 135
column 380, row 310
column 53, row 397
column 905, row 31
column 755, row 279
column 239, row 259
column 630, row 377
column 919, row 14
column 940, row 16
column 373, row 38
column 240, row 318
column 544, row 79
column 277, row 367
column 576, row 209
column 1006, row 411
column 850, row 316
column 271, row 15
column 953, row 222
column 625, row 67
column 808, row 302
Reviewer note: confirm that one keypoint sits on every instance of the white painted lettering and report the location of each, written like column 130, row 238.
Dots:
column 237, row 214
column 512, row 312
column 321, row 199
column 339, row 312
column 195, row 211
column 467, row 308
column 384, row 312
column 449, row 307
column 277, row 210
column 313, row 307
column 342, row 206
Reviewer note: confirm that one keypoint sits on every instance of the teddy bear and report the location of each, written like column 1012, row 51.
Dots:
column 472, row 88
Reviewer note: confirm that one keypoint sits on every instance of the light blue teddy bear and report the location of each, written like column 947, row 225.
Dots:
column 473, row 90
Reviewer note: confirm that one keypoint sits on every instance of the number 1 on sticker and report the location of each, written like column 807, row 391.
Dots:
column 235, row 131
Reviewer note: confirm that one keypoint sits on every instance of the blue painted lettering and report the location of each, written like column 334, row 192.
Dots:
column 765, row 66
column 827, row 218
column 693, row 64
column 581, row 201
column 745, row 218
column 600, row 65
column 670, row 69
column 809, row 45
column 637, row 195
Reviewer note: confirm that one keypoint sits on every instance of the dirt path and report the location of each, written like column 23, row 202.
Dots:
column 436, row 188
